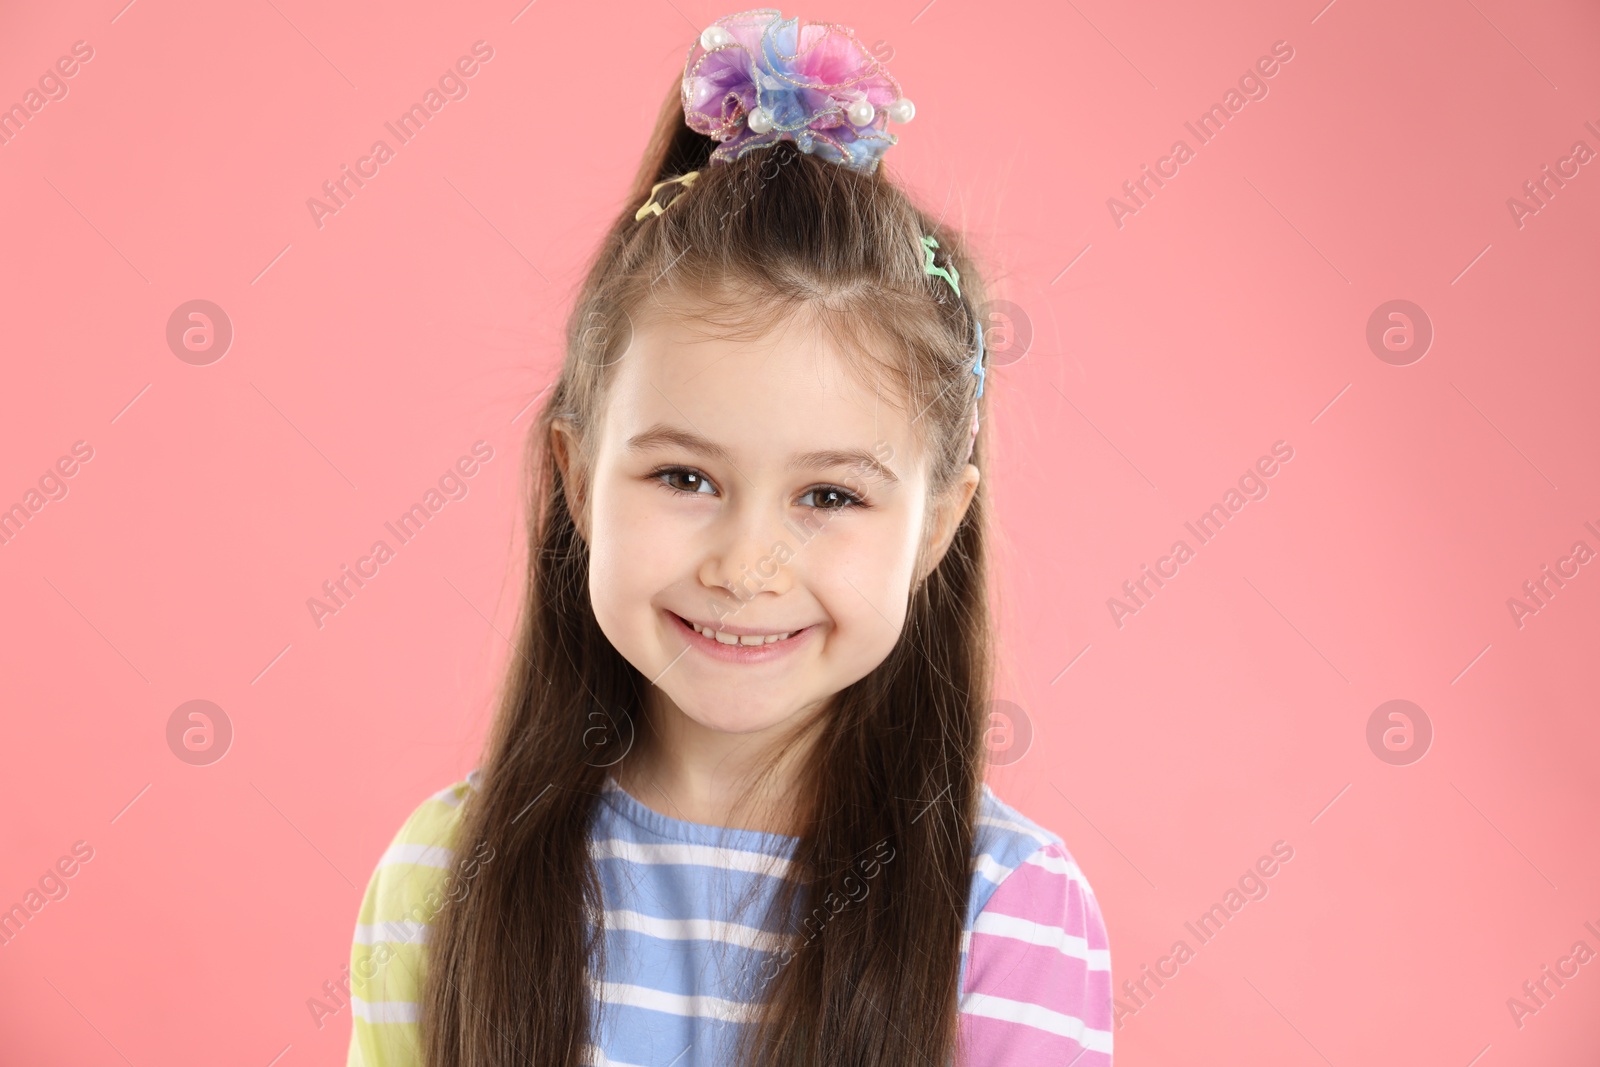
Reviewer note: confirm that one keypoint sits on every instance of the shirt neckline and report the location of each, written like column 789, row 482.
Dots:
column 694, row 833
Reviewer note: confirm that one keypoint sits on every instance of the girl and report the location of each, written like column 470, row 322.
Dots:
column 732, row 809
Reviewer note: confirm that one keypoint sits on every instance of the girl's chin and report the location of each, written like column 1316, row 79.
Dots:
column 709, row 716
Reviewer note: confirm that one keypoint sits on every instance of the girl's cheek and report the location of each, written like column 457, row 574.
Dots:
column 875, row 559
column 631, row 515
column 643, row 541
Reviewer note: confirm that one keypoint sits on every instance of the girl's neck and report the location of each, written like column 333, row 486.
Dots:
column 687, row 771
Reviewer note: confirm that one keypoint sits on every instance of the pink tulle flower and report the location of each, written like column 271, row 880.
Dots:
column 756, row 78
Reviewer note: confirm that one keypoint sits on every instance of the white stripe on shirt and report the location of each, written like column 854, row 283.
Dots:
column 691, row 929
column 1098, row 959
column 384, row 1011
column 422, row 855
column 1051, row 1022
column 701, row 1006
column 727, row 859
column 1015, row 827
column 400, row 932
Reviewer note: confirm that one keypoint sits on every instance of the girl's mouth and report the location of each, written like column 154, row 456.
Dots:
column 736, row 648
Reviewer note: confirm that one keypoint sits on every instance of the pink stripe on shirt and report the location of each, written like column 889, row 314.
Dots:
column 1038, row 983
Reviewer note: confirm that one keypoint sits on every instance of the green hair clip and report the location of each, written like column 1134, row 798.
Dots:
column 949, row 274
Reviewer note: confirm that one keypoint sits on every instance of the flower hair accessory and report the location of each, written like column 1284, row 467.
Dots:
column 756, row 78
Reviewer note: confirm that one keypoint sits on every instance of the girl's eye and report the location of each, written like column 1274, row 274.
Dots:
column 833, row 498
column 682, row 479
column 688, row 480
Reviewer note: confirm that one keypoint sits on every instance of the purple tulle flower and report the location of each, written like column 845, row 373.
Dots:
column 765, row 78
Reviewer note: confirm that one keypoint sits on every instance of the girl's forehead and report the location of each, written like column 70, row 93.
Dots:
column 760, row 364
column 792, row 384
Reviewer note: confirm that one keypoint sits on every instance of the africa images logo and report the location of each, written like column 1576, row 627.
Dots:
column 452, row 85
column 1252, row 85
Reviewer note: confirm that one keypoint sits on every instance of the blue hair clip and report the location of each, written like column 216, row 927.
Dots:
column 977, row 360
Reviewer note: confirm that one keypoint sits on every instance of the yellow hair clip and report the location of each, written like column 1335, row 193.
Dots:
column 652, row 207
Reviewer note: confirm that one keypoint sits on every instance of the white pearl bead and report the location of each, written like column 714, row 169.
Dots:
column 902, row 110
column 760, row 120
column 861, row 112
column 715, row 37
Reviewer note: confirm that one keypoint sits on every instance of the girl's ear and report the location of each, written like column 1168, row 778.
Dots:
column 564, row 445
column 949, row 509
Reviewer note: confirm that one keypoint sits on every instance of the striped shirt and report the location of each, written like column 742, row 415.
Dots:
column 684, row 958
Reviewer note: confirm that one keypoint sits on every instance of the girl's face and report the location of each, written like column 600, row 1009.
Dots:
column 754, row 488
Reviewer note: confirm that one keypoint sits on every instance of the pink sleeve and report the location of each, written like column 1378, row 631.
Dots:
column 1037, row 991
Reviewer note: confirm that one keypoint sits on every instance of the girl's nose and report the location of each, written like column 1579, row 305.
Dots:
column 749, row 554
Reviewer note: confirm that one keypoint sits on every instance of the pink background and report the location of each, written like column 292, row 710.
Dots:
column 1229, row 313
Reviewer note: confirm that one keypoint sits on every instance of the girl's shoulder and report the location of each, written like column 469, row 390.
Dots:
column 1036, row 974
column 427, row 836
column 404, row 892
column 1008, row 842
column 419, row 870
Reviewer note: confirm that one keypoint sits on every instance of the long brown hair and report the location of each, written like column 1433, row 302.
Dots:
column 898, row 759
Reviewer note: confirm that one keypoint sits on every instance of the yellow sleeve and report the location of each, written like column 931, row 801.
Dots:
column 387, row 960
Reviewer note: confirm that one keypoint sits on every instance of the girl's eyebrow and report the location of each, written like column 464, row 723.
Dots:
column 845, row 457
column 662, row 435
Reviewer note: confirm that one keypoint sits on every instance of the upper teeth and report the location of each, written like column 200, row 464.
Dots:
column 736, row 639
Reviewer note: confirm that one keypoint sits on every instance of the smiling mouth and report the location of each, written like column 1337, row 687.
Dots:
column 723, row 637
